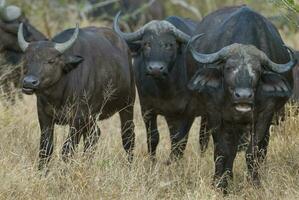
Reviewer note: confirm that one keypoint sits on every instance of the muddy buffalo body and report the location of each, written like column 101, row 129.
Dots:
column 162, row 74
column 241, row 84
column 79, row 77
column 10, row 18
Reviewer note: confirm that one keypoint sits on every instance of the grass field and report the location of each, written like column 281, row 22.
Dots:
column 110, row 177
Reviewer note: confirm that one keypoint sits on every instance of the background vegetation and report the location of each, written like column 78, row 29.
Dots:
column 109, row 176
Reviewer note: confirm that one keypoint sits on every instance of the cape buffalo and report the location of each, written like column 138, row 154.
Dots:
column 79, row 77
column 10, row 19
column 162, row 76
column 241, row 83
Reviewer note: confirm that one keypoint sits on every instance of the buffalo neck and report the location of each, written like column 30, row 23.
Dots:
column 175, row 81
column 57, row 95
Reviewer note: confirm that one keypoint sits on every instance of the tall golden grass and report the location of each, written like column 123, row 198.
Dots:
column 109, row 176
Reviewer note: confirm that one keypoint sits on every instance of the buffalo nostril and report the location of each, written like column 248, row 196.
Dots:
column 161, row 68
column 243, row 93
column 35, row 82
column 237, row 94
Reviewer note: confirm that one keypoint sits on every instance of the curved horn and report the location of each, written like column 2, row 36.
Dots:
column 137, row 35
column 207, row 58
column 181, row 36
column 129, row 37
column 62, row 47
column 280, row 68
column 21, row 40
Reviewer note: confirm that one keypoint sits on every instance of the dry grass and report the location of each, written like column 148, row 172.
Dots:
column 110, row 177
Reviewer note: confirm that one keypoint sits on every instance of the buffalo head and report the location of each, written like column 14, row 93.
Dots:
column 241, row 70
column 45, row 62
column 158, row 43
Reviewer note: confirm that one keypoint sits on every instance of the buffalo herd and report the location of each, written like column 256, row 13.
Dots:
column 231, row 68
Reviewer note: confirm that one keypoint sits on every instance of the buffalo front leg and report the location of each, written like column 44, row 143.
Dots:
column 255, row 156
column 152, row 133
column 257, row 149
column 46, row 140
column 91, row 137
column 75, row 132
column 225, row 150
column 204, row 135
column 127, row 130
column 179, row 131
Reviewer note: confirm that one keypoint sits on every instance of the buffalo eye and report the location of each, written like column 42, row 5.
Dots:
column 51, row 61
column 147, row 45
column 231, row 89
column 254, row 71
column 229, row 68
column 168, row 46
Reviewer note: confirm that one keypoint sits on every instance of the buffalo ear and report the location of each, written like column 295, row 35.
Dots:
column 134, row 47
column 71, row 62
column 26, row 31
column 182, row 48
column 206, row 79
column 273, row 84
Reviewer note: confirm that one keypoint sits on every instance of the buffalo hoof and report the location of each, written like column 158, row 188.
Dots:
column 67, row 151
column 130, row 158
column 255, row 181
column 43, row 170
column 66, row 157
column 168, row 162
column 203, row 149
column 203, row 144
column 172, row 159
column 221, row 188
column 153, row 159
column 220, row 185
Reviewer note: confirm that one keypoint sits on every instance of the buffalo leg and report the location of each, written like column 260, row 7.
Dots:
column 152, row 133
column 127, row 130
column 179, row 131
column 77, row 127
column 91, row 137
column 46, row 140
column 257, row 151
column 225, row 150
column 204, row 135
